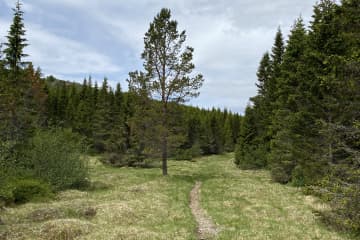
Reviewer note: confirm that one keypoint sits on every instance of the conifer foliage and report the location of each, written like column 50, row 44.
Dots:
column 303, row 124
column 125, row 126
column 25, row 146
column 168, row 66
column 16, row 42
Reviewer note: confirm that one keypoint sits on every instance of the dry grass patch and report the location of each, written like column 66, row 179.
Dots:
column 64, row 229
column 71, row 195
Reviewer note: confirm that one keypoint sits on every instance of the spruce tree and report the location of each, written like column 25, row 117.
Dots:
column 314, row 130
column 16, row 99
column 116, row 142
column 84, row 112
column 264, row 101
column 277, row 54
column 264, row 75
column 73, row 102
column 249, row 152
column 228, row 134
column 101, row 120
column 289, row 117
column 16, row 42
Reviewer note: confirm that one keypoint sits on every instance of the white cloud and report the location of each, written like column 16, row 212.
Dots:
column 229, row 38
column 60, row 55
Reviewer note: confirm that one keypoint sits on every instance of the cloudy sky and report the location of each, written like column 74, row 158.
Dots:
column 72, row 39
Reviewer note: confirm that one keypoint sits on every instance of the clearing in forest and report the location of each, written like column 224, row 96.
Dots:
column 132, row 203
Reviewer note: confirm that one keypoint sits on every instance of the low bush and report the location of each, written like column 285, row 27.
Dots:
column 183, row 154
column 298, row 179
column 22, row 190
column 57, row 157
column 124, row 160
column 26, row 190
column 6, row 194
column 341, row 190
column 280, row 174
column 196, row 150
column 114, row 159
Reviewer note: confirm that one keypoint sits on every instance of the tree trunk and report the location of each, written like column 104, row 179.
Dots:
column 164, row 156
column 164, row 142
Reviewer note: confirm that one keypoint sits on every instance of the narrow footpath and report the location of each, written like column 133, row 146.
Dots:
column 206, row 228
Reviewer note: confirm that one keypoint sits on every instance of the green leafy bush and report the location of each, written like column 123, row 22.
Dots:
column 6, row 194
column 25, row 190
column 21, row 190
column 57, row 157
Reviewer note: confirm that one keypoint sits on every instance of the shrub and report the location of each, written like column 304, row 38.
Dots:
column 8, row 176
column 21, row 190
column 279, row 174
column 341, row 189
column 7, row 158
column 130, row 159
column 183, row 154
column 298, row 179
column 6, row 194
column 5, row 153
column 196, row 150
column 116, row 159
column 25, row 190
column 57, row 157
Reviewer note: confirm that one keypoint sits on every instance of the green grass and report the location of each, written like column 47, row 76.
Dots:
column 141, row 204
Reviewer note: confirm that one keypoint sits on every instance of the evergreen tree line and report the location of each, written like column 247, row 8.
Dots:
column 35, row 159
column 304, row 122
column 124, row 126
column 48, row 125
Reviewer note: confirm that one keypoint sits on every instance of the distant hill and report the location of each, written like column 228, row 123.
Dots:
column 52, row 82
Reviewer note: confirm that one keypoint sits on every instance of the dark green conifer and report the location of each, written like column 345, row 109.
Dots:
column 16, row 42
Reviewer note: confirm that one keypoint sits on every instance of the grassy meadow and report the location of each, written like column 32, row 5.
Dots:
column 128, row 203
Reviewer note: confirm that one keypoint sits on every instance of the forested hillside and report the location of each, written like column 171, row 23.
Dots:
column 123, row 125
column 304, row 123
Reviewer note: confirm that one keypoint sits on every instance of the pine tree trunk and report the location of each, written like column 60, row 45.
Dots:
column 164, row 142
column 164, row 156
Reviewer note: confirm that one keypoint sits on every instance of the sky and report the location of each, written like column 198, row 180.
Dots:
column 73, row 39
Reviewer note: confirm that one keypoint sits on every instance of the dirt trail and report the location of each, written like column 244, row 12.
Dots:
column 206, row 228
